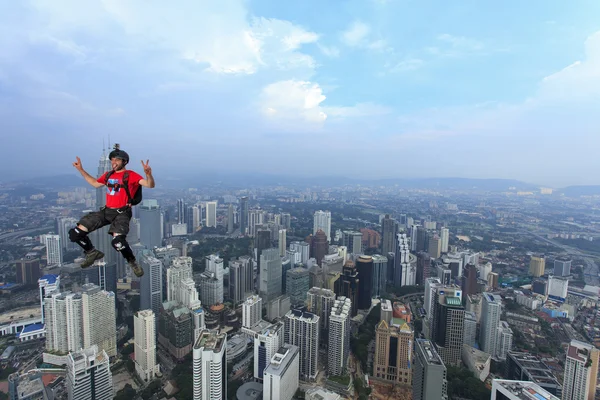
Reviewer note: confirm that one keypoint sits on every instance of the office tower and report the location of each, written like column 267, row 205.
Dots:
column 469, row 280
column 338, row 348
column 423, row 267
column 353, row 242
column 28, row 386
column 303, row 248
column 99, row 319
column 504, row 341
column 581, row 371
column 270, row 274
column 28, row 271
column 319, row 246
column 518, row 390
column 529, row 367
column 444, row 237
column 181, row 209
column 241, row 279
column 64, row 322
column 447, row 325
column 322, row 221
column 196, row 217
column 255, row 221
column 63, row 225
column 189, row 219
column 347, row 285
column 145, row 345
column 379, row 275
column 100, row 238
column 491, row 309
column 562, row 267
column 244, row 215
column 470, row 332
column 151, row 223
column 404, row 273
column 88, row 375
column 282, row 242
column 211, row 214
column 320, row 302
column 493, row 280
column 389, row 232
column 428, row 373
column 537, row 266
column 151, row 285
column 53, row 250
column 230, row 219
column 211, row 289
column 435, row 247
column 210, row 366
column 297, row 285
column 251, row 311
column 393, row 351
column 431, row 285
column 302, row 330
column 266, row 342
column 281, row 376
column 181, row 287
column 364, row 266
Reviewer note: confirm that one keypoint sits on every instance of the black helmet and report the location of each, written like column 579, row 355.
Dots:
column 118, row 153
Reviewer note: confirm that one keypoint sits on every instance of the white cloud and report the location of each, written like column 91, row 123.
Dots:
column 356, row 34
column 218, row 34
column 408, row 64
column 461, row 42
column 329, row 51
column 358, row 111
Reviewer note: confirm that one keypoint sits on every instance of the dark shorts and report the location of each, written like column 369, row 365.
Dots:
column 117, row 219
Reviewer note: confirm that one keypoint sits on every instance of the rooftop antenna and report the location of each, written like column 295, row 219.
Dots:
column 109, row 140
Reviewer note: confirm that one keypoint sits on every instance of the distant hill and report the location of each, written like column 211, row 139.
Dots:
column 576, row 191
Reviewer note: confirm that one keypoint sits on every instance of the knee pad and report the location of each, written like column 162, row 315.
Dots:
column 119, row 243
column 76, row 234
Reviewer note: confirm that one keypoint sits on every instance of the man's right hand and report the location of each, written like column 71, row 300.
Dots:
column 77, row 164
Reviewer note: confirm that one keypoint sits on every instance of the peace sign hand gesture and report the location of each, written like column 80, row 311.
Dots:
column 147, row 168
column 77, row 164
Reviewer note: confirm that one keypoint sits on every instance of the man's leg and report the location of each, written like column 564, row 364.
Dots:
column 79, row 235
column 119, row 229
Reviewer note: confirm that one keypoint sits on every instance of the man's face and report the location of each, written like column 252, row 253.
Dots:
column 117, row 164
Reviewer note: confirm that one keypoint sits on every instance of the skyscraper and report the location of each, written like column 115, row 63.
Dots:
column 266, row 342
column 281, row 376
column 151, row 286
column 211, row 214
column 445, row 237
column 251, row 311
column 380, row 264
column 448, row 324
column 151, row 224
column 364, row 266
column 338, row 348
column 320, row 302
column 322, row 220
column 99, row 319
column 145, row 344
column 282, row 242
column 319, row 246
column 64, row 322
column 302, row 330
column 210, row 366
column 347, row 285
column 297, row 285
column 47, row 284
column 389, row 232
column 428, row 373
column 53, row 250
column 562, row 267
column 100, row 238
column 393, row 351
column 270, row 274
column 244, row 215
column 88, row 375
column 581, row 371
column 491, row 310
column 537, row 266
column 230, row 218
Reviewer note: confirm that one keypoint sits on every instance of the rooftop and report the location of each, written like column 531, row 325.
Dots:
column 250, row 391
column 430, row 353
column 522, row 390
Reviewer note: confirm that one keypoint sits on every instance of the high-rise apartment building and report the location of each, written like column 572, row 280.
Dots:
column 302, row 330
column 537, row 266
column 322, row 220
column 53, row 250
column 581, row 371
column 99, row 319
column 211, row 214
column 145, row 345
column 151, row 285
column 210, row 366
column 251, row 311
column 266, row 342
column 320, row 302
column 338, row 349
column 389, row 230
column 491, row 310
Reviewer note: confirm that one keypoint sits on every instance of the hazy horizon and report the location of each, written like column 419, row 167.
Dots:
column 368, row 89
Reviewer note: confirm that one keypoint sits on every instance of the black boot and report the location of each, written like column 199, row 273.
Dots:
column 137, row 269
column 91, row 256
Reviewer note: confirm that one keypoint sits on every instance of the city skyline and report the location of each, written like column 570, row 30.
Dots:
column 484, row 91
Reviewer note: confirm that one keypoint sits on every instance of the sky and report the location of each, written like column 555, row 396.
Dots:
column 358, row 88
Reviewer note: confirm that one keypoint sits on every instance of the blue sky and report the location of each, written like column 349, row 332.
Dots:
column 369, row 88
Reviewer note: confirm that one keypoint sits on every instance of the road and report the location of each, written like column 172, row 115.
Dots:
column 8, row 235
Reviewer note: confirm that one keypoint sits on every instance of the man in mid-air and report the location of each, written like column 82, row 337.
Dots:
column 123, row 191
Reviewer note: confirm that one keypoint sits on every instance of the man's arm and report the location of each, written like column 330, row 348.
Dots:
column 149, row 181
column 88, row 178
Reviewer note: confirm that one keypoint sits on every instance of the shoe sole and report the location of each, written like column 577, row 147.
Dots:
column 99, row 256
